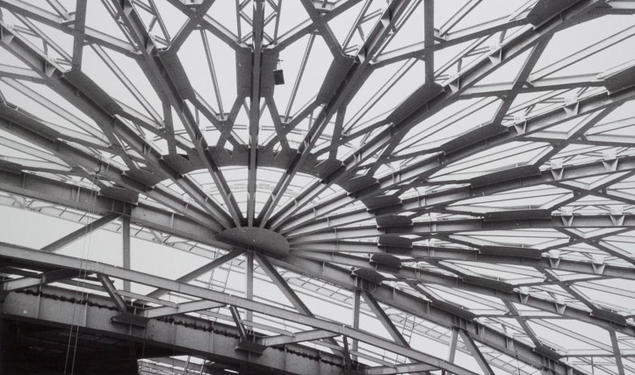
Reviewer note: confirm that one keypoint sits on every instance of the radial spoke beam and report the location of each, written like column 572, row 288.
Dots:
column 112, row 292
column 442, row 316
column 254, row 108
column 26, row 127
column 436, row 98
column 282, row 284
column 464, row 234
column 506, row 221
column 67, row 26
column 192, row 275
column 91, row 95
column 56, row 192
column 239, row 323
column 357, row 74
column 183, row 334
column 476, row 353
column 78, row 39
column 409, row 176
column 466, row 79
column 385, row 320
column 288, row 292
column 81, row 232
column 48, row 259
column 88, row 201
column 158, row 72
column 617, row 353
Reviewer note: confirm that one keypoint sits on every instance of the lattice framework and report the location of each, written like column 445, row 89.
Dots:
column 441, row 173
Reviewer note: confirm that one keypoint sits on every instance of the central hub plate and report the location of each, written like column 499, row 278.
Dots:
column 254, row 238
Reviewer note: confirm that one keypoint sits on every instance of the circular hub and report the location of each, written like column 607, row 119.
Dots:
column 254, row 238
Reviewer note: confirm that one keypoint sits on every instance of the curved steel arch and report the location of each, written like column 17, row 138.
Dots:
column 418, row 244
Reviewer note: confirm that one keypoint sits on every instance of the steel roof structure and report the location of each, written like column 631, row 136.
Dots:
column 318, row 186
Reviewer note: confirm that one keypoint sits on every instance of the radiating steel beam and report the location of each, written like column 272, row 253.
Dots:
column 83, row 231
column 517, row 180
column 199, row 337
column 467, row 78
column 456, row 150
column 71, row 196
column 25, row 127
column 88, row 201
column 112, row 292
column 474, row 284
column 512, row 220
column 239, row 323
column 476, row 353
column 384, row 319
column 402, row 122
column 617, row 353
column 416, row 50
column 160, row 74
column 313, row 232
column 254, row 107
column 286, row 289
column 192, row 275
column 283, row 285
column 67, row 26
column 38, row 258
column 37, row 133
column 356, row 75
column 546, row 84
column 438, row 315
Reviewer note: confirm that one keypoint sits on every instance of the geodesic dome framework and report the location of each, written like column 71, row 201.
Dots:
column 352, row 186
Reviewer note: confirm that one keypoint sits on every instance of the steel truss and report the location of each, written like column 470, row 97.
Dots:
column 432, row 238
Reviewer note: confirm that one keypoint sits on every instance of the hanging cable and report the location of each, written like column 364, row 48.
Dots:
column 82, row 274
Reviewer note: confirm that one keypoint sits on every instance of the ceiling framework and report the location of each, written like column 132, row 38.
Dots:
column 458, row 178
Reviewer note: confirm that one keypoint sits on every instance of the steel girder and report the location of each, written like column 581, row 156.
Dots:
column 23, row 255
column 214, row 341
column 441, row 224
column 70, row 196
